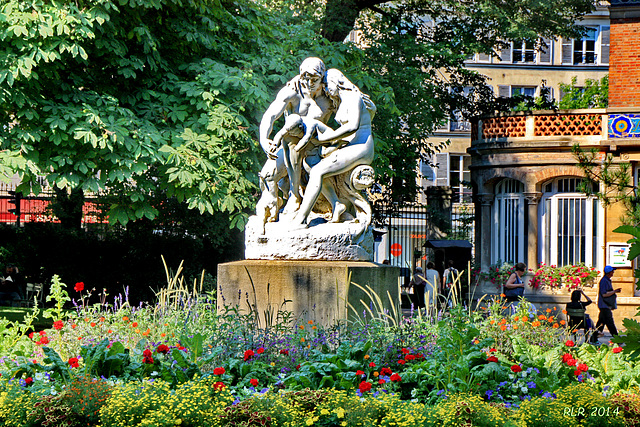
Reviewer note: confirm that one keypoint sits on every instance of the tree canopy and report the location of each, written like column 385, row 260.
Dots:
column 134, row 98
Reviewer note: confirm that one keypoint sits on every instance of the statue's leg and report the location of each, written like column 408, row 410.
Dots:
column 337, row 207
column 293, row 161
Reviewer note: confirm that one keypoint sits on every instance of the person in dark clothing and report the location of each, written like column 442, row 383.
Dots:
column 12, row 285
column 418, row 284
column 577, row 322
column 606, row 303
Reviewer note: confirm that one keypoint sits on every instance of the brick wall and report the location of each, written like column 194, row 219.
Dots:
column 624, row 62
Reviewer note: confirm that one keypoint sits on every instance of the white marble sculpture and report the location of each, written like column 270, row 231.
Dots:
column 321, row 171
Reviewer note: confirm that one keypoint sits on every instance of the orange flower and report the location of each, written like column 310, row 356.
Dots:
column 301, row 326
column 366, row 357
column 502, row 295
column 562, row 322
column 525, row 319
column 74, row 326
column 503, row 327
column 535, row 324
column 301, row 339
column 134, row 325
column 503, row 321
column 310, row 322
column 555, row 326
column 555, row 309
column 125, row 318
column 550, row 319
column 548, row 310
column 476, row 342
column 147, row 332
column 137, row 331
column 542, row 317
column 163, row 335
column 515, row 326
column 109, row 331
column 516, row 318
column 492, row 321
column 93, row 324
column 564, row 311
column 102, row 318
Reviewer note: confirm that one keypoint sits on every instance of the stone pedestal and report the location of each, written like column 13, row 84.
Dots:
column 312, row 290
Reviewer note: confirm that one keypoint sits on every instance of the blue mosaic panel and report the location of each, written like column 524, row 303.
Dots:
column 624, row 126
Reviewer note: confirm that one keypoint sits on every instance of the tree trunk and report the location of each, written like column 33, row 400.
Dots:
column 67, row 207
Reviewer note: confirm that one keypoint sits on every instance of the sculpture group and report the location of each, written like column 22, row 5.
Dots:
column 315, row 170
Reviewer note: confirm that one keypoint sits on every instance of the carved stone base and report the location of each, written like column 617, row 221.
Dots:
column 320, row 241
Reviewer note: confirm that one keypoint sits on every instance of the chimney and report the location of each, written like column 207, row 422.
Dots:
column 624, row 57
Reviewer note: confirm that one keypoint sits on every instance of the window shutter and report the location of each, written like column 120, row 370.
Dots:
column 545, row 52
column 604, row 45
column 567, row 51
column 504, row 91
column 505, row 54
column 550, row 95
column 442, row 171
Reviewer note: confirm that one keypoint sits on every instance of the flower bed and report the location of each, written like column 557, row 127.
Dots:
column 181, row 363
column 567, row 277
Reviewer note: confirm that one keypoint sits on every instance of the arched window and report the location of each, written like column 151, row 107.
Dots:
column 569, row 224
column 508, row 222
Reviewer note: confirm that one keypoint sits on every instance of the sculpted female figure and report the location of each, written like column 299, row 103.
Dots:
column 349, row 145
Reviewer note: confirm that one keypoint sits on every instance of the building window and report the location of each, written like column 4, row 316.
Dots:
column 524, row 51
column 508, row 222
column 591, row 49
column 529, row 91
column 451, row 170
column 569, row 224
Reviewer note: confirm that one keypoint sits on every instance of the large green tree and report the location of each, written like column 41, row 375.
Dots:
column 135, row 98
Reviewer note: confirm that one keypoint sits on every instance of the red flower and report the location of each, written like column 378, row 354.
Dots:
column 493, row 350
column 31, row 336
column 218, row 385
column 359, row 373
column 405, row 351
column 58, row 324
column 386, row 371
column 260, row 350
column 43, row 341
column 381, row 381
column 73, row 362
column 254, row 382
column 577, row 372
column 516, row 369
column 401, row 362
column 571, row 362
column 372, row 365
column 617, row 350
column 566, row 357
column 285, row 352
column 248, row 355
column 583, row 367
column 364, row 386
column 219, row 371
column 148, row 357
column 492, row 359
column 409, row 357
column 28, row 381
column 396, row 378
column 569, row 343
column 162, row 348
column 79, row 287
column 298, row 367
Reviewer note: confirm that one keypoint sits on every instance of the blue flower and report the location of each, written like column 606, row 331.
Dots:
column 489, row 393
column 531, row 384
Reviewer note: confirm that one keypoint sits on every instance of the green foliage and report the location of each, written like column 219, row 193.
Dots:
column 60, row 296
column 468, row 409
column 594, row 94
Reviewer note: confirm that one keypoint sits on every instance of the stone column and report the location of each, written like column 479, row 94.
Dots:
column 532, row 231
column 483, row 243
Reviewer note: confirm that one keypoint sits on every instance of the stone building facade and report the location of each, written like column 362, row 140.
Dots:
column 528, row 204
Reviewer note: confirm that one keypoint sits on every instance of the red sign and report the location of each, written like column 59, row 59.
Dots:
column 396, row 249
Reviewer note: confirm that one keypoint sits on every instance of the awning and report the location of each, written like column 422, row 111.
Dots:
column 445, row 244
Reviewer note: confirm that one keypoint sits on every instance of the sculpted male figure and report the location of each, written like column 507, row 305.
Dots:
column 303, row 95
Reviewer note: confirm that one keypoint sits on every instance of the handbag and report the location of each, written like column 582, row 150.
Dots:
column 514, row 292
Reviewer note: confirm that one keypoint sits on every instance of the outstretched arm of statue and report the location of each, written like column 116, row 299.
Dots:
column 273, row 113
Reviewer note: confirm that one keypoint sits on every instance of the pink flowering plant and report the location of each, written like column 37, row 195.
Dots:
column 568, row 276
column 497, row 273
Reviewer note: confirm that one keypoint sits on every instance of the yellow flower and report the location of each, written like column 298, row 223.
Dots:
column 324, row 411
column 366, row 357
column 375, row 374
column 340, row 412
